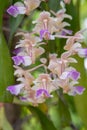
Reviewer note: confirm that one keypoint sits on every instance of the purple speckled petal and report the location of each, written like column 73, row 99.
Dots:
column 13, row 10
column 15, row 89
column 76, row 90
column 17, row 60
column 82, row 52
column 23, row 98
column 17, row 50
column 65, row 32
column 40, row 92
column 25, row 60
column 79, row 89
column 43, row 32
column 74, row 74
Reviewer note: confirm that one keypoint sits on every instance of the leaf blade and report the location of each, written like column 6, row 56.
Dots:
column 6, row 71
column 46, row 123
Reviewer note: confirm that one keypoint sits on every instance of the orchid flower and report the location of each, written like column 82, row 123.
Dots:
column 25, row 60
column 16, row 9
column 15, row 89
column 23, row 8
column 74, row 89
column 73, row 74
column 43, row 86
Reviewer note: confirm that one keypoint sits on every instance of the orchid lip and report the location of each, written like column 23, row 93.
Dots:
column 79, row 89
column 43, row 32
column 13, row 10
column 42, row 91
column 15, row 89
column 73, row 74
column 82, row 52
column 25, row 60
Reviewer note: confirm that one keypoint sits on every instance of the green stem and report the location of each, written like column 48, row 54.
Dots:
column 2, row 8
column 78, row 12
column 1, row 16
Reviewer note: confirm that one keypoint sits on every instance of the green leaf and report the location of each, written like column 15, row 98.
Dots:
column 44, row 6
column 46, row 123
column 6, row 71
column 74, row 11
column 2, row 7
column 64, row 112
column 14, row 23
column 14, row 1
column 80, row 100
column 54, row 4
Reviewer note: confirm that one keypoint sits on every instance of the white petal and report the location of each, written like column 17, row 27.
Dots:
column 27, row 60
column 64, row 75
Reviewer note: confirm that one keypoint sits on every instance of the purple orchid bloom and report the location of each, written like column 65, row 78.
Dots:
column 23, row 98
column 65, row 32
column 16, row 9
column 40, row 92
column 82, row 52
column 76, row 90
column 73, row 74
column 25, row 60
column 15, row 89
column 13, row 11
column 17, row 50
column 44, row 33
column 79, row 90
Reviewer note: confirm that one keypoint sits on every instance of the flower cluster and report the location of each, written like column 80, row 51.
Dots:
column 57, row 72
column 25, row 7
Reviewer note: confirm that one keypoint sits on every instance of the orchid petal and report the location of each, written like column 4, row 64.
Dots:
column 79, row 90
column 40, row 92
column 73, row 74
column 15, row 89
column 44, row 32
column 13, row 10
column 16, row 9
column 25, row 60
column 82, row 52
